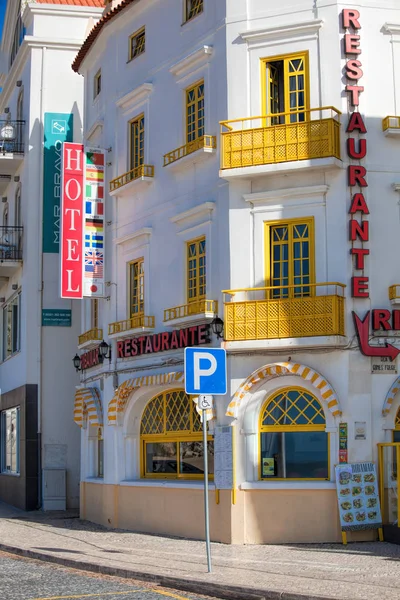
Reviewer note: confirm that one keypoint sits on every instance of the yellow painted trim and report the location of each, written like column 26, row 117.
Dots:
column 196, row 242
column 174, row 436
column 268, row 225
column 135, row 121
column 131, row 37
column 130, row 266
column 285, row 58
column 283, row 428
column 194, row 86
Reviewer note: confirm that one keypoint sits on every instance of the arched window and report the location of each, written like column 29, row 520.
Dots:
column 171, row 438
column 396, row 432
column 293, row 441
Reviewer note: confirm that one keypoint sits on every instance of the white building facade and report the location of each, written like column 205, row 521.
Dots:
column 252, row 176
column 41, row 103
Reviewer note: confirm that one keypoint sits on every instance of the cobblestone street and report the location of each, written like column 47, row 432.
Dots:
column 26, row 579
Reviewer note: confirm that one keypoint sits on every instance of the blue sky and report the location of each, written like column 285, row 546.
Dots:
column 3, row 4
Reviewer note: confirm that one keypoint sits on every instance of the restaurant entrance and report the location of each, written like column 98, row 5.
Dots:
column 389, row 459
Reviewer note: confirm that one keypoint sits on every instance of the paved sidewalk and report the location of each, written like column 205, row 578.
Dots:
column 359, row 572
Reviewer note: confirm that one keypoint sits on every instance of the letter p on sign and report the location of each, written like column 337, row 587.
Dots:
column 205, row 371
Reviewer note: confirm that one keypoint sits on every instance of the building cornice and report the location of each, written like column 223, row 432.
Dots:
column 268, row 34
column 64, row 10
column 197, row 212
column 29, row 42
column 193, row 61
column 285, row 194
column 143, row 235
column 135, row 97
column 391, row 28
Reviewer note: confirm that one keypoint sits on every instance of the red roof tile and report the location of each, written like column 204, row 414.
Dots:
column 94, row 3
column 88, row 43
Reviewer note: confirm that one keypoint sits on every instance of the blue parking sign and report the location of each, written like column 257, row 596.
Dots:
column 205, row 371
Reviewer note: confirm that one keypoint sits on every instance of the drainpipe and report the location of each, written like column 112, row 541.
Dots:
column 40, row 289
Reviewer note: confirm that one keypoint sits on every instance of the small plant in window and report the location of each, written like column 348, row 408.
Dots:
column 137, row 43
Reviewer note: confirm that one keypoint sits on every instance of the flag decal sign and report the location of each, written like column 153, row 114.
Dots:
column 82, row 227
column 93, row 274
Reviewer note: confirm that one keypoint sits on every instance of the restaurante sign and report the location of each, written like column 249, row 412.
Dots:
column 167, row 340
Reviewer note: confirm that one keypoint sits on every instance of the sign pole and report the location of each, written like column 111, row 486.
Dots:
column 206, row 507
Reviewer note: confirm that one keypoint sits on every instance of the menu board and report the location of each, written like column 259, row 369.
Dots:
column 357, row 490
column 223, row 457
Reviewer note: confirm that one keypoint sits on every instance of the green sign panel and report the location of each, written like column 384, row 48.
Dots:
column 56, row 317
column 58, row 128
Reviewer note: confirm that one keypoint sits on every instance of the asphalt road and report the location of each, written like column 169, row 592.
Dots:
column 26, row 579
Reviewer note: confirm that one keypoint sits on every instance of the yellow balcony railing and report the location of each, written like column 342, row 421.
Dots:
column 193, row 308
column 284, row 312
column 93, row 335
column 390, row 123
column 394, row 292
column 206, row 142
column 133, row 323
column 140, row 171
column 283, row 137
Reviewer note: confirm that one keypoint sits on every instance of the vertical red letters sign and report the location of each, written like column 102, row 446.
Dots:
column 72, row 250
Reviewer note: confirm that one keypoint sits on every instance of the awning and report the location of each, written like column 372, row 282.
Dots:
column 88, row 404
column 117, row 405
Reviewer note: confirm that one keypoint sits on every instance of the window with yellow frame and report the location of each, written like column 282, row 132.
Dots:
column 137, row 43
column 195, row 112
column 193, row 8
column 290, row 257
column 285, row 82
column 136, row 133
column 95, row 314
column 171, row 438
column 136, row 288
column 196, row 270
column 293, row 440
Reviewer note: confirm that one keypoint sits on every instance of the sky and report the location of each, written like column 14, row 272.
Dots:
column 3, row 4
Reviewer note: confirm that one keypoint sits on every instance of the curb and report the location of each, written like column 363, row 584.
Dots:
column 218, row 590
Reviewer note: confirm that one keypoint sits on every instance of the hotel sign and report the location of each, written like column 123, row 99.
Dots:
column 72, row 222
column 167, row 340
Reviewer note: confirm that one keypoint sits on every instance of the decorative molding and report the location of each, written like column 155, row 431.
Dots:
column 391, row 28
column 99, row 124
column 201, row 210
column 192, row 62
column 285, row 194
column 65, row 10
column 135, row 236
column 135, row 97
column 280, row 32
column 17, row 67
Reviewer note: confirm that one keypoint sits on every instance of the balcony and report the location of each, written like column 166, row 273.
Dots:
column 277, row 317
column 11, row 148
column 133, row 179
column 394, row 294
column 90, row 338
column 130, row 327
column 193, row 313
column 10, row 250
column 271, row 144
column 391, row 126
column 193, row 152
